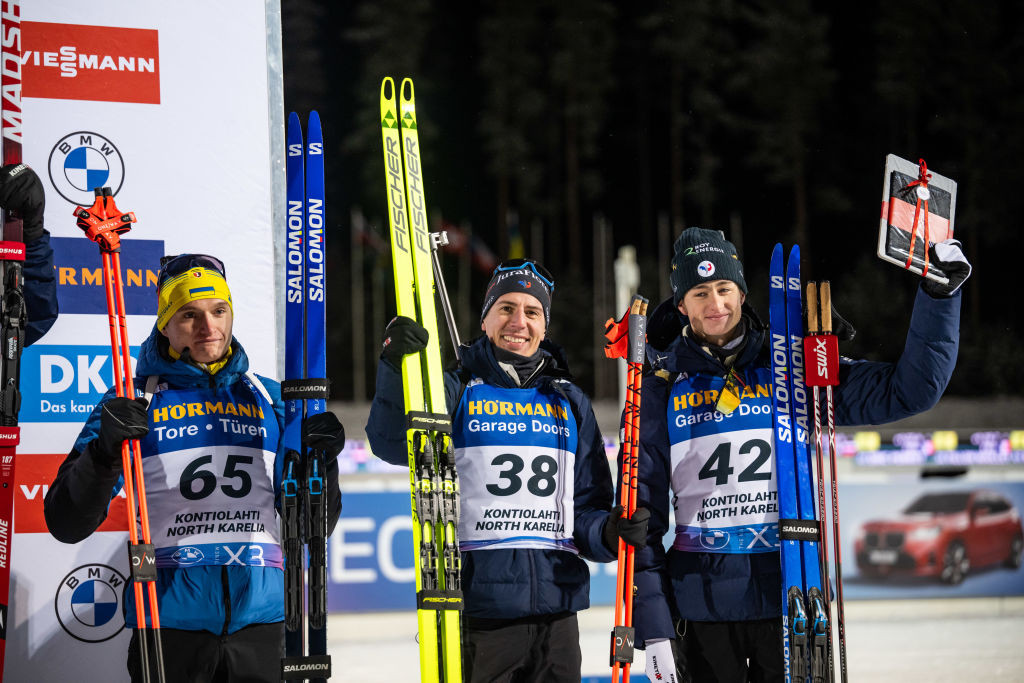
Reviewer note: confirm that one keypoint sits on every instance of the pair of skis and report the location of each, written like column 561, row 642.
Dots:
column 805, row 616
column 305, row 389
column 434, row 482
column 12, row 306
column 104, row 224
column 627, row 339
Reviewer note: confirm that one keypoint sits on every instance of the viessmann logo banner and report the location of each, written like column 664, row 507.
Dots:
column 98, row 63
column 80, row 275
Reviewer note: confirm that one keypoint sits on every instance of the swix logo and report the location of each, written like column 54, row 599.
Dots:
column 82, row 161
column 97, row 63
column 821, row 357
column 11, row 71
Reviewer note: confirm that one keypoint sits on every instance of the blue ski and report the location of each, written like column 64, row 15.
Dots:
column 807, row 494
column 794, row 612
column 305, row 390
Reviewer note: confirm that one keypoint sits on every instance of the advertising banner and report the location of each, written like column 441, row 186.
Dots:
column 180, row 119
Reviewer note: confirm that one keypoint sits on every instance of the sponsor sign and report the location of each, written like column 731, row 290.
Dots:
column 97, row 63
column 80, row 275
column 71, row 381
column 82, row 161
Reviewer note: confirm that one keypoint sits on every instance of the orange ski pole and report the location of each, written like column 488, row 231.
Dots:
column 103, row 223
column 627, row 338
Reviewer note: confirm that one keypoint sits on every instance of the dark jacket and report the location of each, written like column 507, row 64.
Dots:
column 40, row 288
column 220, row 599
column 738, row 587
column 514, row 583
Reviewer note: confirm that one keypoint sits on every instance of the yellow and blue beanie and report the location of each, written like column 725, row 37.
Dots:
column 192, row 285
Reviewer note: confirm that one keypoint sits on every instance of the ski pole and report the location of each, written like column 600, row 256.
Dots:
column 826, row 327
column 821, row 354
column 438, row 240
column 104, row 223
column 634, row 335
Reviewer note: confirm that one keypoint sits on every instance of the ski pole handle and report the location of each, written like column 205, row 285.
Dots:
column 103, row 222
column 826, row 307
column 812, row 308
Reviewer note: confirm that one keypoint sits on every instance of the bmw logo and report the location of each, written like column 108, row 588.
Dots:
column 81, row 162
column 88, row 603
column 706, row 269
column 187, row 556
column 714, row 539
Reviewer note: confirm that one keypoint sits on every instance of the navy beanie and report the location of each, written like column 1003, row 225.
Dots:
column 703, row 256
column 523, row 280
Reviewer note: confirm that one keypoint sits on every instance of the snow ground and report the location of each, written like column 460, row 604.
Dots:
column 933, row 641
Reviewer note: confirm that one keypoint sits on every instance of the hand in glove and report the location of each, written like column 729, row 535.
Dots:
column 402, row 337
column 120, row 419
column 324, row 432
column 949, row 256
column 22, row 191
column 632, row 530
column 661, row 665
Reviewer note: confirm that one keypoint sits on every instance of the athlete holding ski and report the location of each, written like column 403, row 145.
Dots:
column 211, row 437
column 22, row 192
column 536, row 488
column 719, row 587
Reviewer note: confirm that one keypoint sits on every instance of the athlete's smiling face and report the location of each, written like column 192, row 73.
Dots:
column 204, row 326
column 515, row 323
column 714, row 310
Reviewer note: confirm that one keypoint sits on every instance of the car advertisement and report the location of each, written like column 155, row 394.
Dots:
column 931, row 538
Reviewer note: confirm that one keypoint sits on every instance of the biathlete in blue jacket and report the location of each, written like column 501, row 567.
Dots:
column 212, row 456
column 719, row 603
column 536, row 487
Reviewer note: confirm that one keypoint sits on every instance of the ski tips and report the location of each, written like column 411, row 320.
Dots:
column 387, row 88
column 408, row 92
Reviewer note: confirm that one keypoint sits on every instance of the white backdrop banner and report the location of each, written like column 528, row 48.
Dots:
column 181, row 119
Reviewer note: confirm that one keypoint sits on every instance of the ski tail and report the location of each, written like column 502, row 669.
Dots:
column 794, row 612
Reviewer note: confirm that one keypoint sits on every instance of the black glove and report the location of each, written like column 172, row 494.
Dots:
column 121, row 419
column 949, row 256
column 324, row 432
column 402, row 337
column 22, row 191
column 632, row 530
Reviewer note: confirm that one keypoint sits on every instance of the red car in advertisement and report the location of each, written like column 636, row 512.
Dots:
column 942, row 535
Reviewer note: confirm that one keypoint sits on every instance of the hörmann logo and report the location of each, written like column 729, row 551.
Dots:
column 79, row 272
column 82, row 161
column 97, row 63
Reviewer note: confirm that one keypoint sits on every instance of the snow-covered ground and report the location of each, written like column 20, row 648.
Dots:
column 933, row 641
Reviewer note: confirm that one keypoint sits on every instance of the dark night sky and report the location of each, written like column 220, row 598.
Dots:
column 786, row 112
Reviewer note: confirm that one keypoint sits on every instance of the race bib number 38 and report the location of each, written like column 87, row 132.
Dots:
column 515, row 453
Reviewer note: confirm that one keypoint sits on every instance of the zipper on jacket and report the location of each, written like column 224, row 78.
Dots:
column 226, row 587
